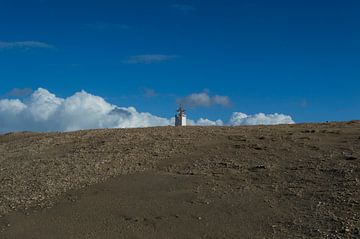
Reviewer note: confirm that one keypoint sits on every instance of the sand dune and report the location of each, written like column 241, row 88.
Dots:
column 288, row 181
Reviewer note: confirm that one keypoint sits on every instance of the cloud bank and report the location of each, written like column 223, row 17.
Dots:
column 44, row 111
column 239, row 118
column 203, row 99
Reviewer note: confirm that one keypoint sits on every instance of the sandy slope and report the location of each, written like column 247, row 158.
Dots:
column 296, row 181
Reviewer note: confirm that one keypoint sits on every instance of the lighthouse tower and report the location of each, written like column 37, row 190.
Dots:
column 180, row 118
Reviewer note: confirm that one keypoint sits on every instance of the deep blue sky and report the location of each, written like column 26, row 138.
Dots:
column 298, row 57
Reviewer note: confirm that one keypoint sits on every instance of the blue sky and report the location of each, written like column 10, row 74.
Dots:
column 299, row 58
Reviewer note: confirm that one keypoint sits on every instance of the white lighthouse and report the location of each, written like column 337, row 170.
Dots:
column 180, row 118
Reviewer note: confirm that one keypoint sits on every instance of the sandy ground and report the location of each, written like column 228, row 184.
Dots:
column 293, row 181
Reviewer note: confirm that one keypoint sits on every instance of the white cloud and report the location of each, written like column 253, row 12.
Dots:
column 205, row 122
column 196, row 100
column 43, row 105
column 11, row 106
column 203, row 99
column 149, row 59
column 24, row 45
column 221, row 100
column 239, row 118
column 44, row 111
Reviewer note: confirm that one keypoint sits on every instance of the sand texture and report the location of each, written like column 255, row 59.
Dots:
column 288, row 181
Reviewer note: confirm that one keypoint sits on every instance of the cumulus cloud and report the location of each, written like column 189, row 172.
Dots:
column 24, row 45
column 203, row 99
column 239, row 118
column 149, row 59
column 205, row 122
column 44, row 111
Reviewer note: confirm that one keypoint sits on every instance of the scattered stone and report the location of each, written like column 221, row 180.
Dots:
column 344, row 230
column 257, row 147
column 350, row 158
column 36, row 171
column 237, row 138
column 258, row 167
column 314, row 147
column 308, row 131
